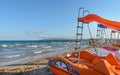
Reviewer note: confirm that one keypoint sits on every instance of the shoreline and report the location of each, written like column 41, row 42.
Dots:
column 36, row 67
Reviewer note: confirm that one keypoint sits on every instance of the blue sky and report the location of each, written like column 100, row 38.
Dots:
column 39, row 19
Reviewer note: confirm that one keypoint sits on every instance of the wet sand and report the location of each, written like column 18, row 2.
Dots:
column 36, row 67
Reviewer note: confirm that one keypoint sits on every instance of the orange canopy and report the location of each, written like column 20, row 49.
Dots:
column 93, row 17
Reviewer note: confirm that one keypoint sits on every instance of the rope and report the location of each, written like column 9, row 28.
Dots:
column 89, row 31
column 91, row 37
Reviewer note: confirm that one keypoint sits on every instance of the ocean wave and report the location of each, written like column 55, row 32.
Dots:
column 8, row 45
column 38, row 52
column 32, row 46
column 66, row 45
column 4, row 45
column 17, row 44
column 47, row 46
column 13, row 56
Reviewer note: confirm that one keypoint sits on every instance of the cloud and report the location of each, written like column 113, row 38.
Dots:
column 36, row 34
column 27, row 33
column 40, row 34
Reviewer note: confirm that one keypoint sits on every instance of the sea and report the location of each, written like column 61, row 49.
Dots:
column 18, row 52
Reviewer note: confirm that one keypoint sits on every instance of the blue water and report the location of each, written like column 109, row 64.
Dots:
column 18, row 52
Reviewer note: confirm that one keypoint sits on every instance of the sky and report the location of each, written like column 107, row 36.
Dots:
column 49, row 19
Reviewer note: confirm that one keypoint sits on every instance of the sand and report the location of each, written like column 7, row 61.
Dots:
column 37, row 67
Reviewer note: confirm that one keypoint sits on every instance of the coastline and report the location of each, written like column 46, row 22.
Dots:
column 35, row 67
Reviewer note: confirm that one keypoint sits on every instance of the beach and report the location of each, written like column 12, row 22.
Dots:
column 36, row 67
column 39, row 35
column 30, row 57
column 17, row 52
column 36, row 56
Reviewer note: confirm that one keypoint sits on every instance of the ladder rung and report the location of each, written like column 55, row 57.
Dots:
column 78, row 40
column 79, row 27
column 97, row 35
column 77, row 48
column 79, row 34
column 98, row 30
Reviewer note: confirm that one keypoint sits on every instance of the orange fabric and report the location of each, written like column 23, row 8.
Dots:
column 93, row 17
